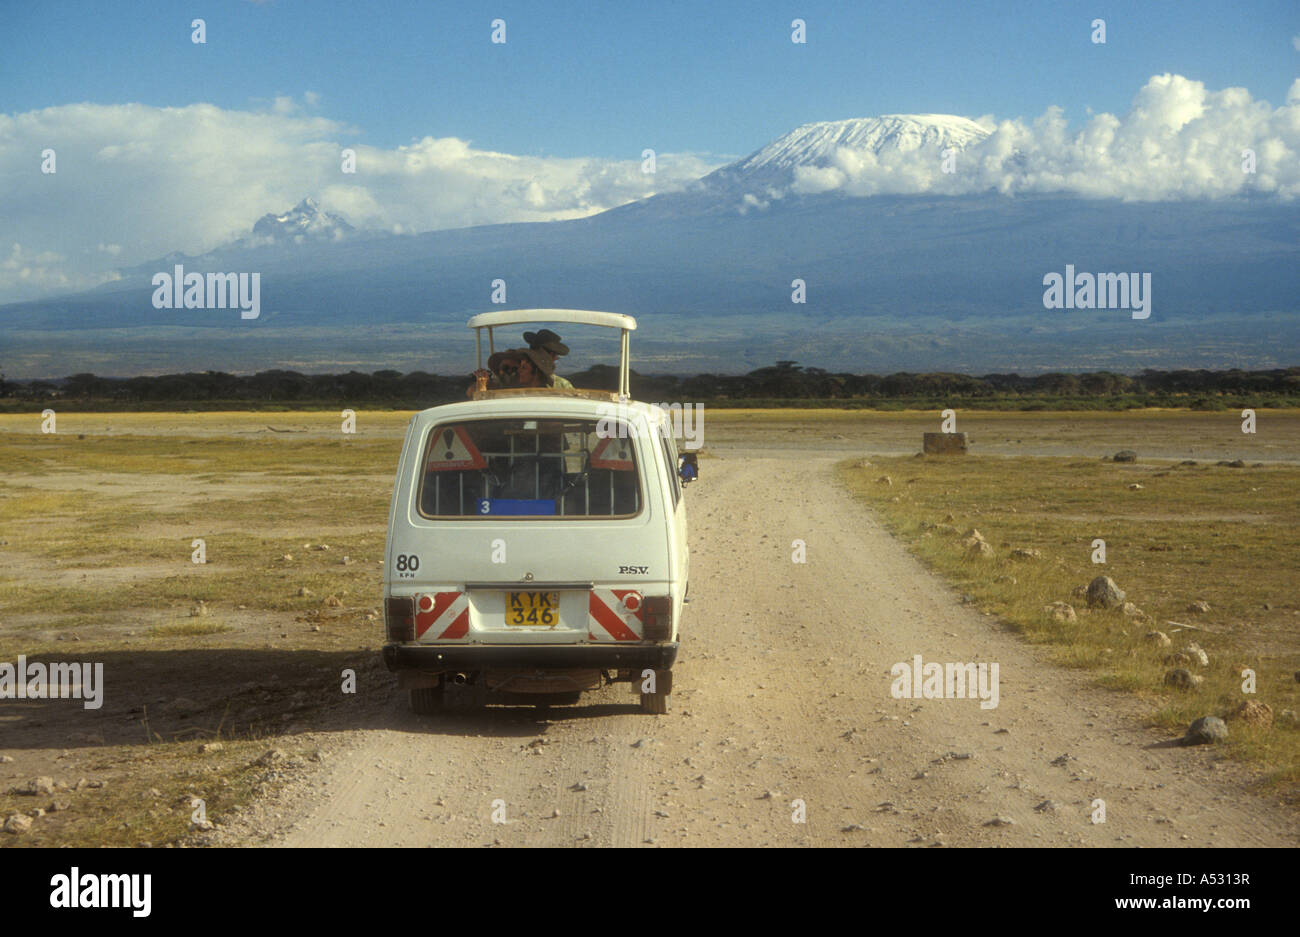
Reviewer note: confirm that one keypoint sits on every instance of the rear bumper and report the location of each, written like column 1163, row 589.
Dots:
column 432, row 658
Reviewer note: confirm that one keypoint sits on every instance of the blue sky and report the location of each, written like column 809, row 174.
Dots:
column 607, row 79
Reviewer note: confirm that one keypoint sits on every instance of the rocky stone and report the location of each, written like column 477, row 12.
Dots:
column 35, row 787
column 1001, row 821
column 207, row 748
column 1135, row 487
column 1026, row 554
column 1060, row 611
column 1253, row 713
column 1183, row 679
column 303, row 590
column 1124, row 455
column 1132, row 611
column 979, row 549
column 1103, row 593
column 884, row 480
column 1197, row 653
column 943, row 443
column 17, row 823
column 1158, row 638
column 1206, row 731
column 1199, row 607
column 273, row 756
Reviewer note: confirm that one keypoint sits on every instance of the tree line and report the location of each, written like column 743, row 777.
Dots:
column 784, row 383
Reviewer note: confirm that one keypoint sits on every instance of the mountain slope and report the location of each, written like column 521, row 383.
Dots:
column 891, row 282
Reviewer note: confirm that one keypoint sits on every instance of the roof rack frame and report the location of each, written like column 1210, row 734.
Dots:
column 625, row 324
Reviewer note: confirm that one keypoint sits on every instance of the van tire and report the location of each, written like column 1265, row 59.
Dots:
column 427, row 701
column 656, row 704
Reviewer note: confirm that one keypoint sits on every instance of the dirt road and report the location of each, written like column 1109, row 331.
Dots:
column 783, row 696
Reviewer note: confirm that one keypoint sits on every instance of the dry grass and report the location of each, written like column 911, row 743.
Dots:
column 95, row 564
column 1205, row 532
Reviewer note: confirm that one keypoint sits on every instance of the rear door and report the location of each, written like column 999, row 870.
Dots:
column 530, row 530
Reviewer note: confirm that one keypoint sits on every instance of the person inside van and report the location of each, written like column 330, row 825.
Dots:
column 502, row 371
column 549, row 344
column 515, row 367
column 535, row 369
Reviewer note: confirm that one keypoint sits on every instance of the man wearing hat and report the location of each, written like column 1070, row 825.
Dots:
column 514, row 367
column 519, row 367
column 549, row 346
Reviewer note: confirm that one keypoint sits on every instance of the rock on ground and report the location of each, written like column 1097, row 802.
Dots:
column 1205, row 731
column 1253, row 713
column 1103, row 593
column 1183, row 679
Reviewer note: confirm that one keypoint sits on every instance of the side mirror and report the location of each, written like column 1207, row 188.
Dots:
column 688, row 467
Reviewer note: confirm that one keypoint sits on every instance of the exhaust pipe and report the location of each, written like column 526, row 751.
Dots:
column 460, row 679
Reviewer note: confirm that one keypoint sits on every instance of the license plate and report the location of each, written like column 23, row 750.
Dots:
column 533, row 608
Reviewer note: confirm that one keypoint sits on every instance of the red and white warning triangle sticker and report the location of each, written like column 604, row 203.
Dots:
column 614, row 453
column 452, row 450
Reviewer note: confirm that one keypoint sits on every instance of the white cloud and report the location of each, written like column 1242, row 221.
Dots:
column 137, row 182
column 151, row 180
column 1178, row 141
column 25, row 273
column 1295, row 42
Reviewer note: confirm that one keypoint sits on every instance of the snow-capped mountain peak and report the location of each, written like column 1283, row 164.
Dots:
column 816, row 144
column 304, row 220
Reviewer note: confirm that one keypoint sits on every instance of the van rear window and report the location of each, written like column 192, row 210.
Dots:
column 529, row 468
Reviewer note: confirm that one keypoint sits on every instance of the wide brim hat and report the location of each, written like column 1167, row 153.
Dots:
column 548, row 340
column 541, row 361
column 499, row 358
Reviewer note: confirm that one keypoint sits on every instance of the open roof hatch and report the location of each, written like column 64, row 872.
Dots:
column 613, row 320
